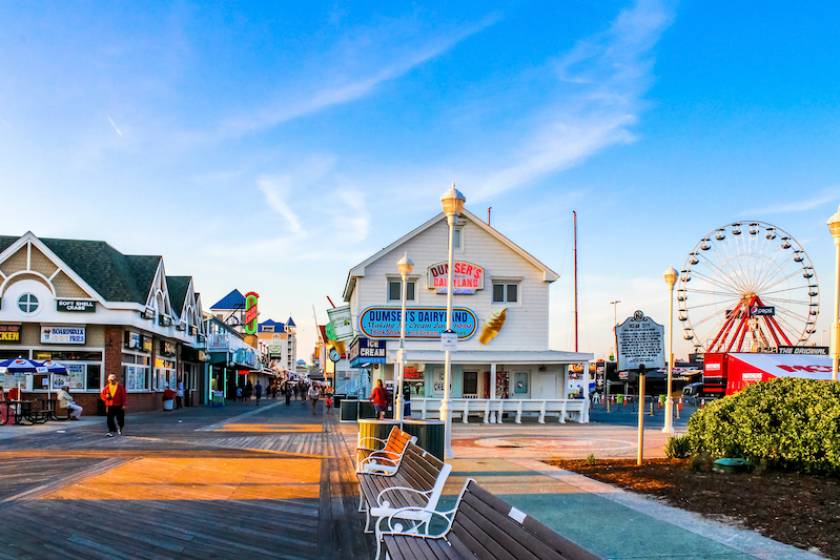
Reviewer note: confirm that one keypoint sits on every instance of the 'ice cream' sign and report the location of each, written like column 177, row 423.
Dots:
column 467, row 277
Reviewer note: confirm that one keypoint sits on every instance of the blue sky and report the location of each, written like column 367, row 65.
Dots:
column 272, row 147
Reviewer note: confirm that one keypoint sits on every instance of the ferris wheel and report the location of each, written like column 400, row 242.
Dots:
column 747, row 287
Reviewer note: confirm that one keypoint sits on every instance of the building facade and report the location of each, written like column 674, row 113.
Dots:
column 98, row 312
column 501, row 317
column 281, row 341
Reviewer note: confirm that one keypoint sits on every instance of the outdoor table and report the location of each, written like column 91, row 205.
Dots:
column 429, row 434
column 18, row 411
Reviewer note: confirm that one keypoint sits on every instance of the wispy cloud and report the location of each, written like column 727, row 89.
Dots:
column 824, row 197
column 335, row 89
column 275, row 192
column 599, row 88
column 114, row 126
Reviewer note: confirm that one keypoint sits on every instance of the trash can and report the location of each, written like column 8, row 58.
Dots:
column 337, row 398
column 366, row 410
column 429, row 433
column 349, row 410
column 379, row 429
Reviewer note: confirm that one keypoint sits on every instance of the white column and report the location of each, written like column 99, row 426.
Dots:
column 492, row 391
column 585, row 378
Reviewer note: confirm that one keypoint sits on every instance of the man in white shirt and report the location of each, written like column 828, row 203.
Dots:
column 65, row 400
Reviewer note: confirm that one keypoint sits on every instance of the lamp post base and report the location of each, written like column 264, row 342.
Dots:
column 447, row 430
column 669, row 416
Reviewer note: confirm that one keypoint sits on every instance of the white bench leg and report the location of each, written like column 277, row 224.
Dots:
column 563, row 413
column 486, row 412
column 541, row 419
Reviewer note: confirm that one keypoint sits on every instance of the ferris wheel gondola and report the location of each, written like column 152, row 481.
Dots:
column 747, row 286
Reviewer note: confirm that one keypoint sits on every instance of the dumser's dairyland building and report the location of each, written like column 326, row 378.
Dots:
column 501, row 315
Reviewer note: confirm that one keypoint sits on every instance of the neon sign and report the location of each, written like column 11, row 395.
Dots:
column 251, row 315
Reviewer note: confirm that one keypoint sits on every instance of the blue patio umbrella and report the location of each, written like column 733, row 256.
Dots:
column 53, row 368
column 17, row 366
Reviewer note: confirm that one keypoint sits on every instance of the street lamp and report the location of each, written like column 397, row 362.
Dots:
column 615, row 303
column 452, row 203
column 834, row 228
column 670, row 277
column 405, row 266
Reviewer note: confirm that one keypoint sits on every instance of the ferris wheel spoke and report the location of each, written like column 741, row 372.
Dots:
column 763, row 294
column 712, row 292
column 788, row 301
column 720, row 271
column 731, row 288
column 712, row 303
column 788, row 277
column 793, row 315
column 774, row 266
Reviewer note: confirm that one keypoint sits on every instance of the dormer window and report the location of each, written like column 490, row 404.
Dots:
column 457, row 237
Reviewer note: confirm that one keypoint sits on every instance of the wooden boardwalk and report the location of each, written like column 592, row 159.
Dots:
column 237, row 482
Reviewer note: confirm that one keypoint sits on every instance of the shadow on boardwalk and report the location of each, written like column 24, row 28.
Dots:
column 236, row 482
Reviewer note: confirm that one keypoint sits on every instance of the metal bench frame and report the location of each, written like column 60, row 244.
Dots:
column 380, row 460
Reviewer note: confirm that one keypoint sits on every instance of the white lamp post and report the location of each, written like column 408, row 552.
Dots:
column 405, row 265
column 452, row 203
column 834, row 228
column 670, row 277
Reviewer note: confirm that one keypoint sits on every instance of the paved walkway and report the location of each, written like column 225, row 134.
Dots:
column 233, row 482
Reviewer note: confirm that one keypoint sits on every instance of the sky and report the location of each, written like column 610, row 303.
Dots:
column 270, row 147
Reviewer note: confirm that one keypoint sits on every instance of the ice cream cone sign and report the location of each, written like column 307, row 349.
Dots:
column 492, row 326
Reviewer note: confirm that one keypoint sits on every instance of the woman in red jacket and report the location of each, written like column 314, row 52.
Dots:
column 115, row 399
column 379, row 399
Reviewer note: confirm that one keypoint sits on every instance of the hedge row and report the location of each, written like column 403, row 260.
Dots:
column 785, row 423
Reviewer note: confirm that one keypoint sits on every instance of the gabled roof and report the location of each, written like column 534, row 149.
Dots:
column 278, row 327
column 114, row 276
column 234, row 300
column 178, row 287
column 291, row 322
column 548, row 274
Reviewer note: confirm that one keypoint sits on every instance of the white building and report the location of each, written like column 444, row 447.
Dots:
column 495, row 279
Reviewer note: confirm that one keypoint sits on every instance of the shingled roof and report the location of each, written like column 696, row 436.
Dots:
column 177, row 287
column 116, row 277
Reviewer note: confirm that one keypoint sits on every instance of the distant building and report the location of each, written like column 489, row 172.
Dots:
column 281, row 340
column 230, row 310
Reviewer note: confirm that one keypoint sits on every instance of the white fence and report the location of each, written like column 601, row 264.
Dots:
column 492, row 410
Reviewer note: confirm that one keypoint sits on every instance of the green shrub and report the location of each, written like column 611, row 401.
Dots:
column 785, row 423
column 678, row 447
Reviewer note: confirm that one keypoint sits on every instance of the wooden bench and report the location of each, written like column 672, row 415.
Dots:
column 481, row 526
column 386, row 458
column 415, row 489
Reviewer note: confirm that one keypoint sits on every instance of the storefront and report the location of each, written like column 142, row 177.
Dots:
column 500, row 319
column 97, row 323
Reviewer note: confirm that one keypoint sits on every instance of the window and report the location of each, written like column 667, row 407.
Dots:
column 28, row 303
column 94, row 377
column 395, row 290
column 504, row 292
column 457, row 237
column 470, row 383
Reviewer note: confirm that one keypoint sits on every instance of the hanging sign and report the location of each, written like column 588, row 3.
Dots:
column 75, row 305
column 467, row 277
column 9, row 334
column 420, row 322
column 251, row 299
column 335, row 355
column 640, row 342
column 364, row 351
column 449, row 341
column 62, row 335
column 341, row 322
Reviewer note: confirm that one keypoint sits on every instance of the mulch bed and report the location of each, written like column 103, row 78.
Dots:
column 797, row 509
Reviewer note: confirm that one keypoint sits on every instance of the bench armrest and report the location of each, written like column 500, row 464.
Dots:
column 378, row 460
column 360, row 446
column 386, row 504
column 385, row 455
column 396, row 522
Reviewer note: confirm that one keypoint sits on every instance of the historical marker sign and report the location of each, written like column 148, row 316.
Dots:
column 640, row 341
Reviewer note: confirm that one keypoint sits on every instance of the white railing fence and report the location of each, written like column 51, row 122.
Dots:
column 492, row 411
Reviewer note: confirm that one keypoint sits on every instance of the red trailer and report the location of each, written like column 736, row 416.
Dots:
column 727, row 373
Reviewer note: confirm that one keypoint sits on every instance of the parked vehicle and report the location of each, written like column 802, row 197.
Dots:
column 693, row 389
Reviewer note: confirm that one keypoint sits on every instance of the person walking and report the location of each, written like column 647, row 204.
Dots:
column 249, row 391
column 179, row 395
column 287, row 393
column 379, row 399
column 314, row 394
column 295, row 390
column 115, row 399
column 239, row 394
column 328, row 399
column 258, row 391
column 65, row 400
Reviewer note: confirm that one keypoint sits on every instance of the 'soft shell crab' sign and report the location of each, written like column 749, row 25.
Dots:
column 251, row 315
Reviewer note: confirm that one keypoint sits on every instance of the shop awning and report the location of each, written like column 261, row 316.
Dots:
column 524, row 357
column 785, row 365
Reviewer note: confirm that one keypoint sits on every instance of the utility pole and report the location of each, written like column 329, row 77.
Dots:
column 575, row 287
column 615, row 303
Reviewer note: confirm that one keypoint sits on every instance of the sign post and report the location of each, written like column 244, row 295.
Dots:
column 641, row 438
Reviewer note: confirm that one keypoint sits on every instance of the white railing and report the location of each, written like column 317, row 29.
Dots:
column 492, row 410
